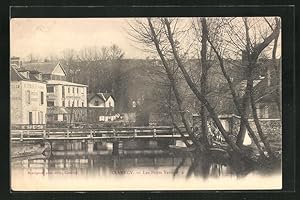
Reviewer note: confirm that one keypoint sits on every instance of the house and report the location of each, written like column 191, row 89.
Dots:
column 100, row 100
column 101, row 107
column 27, row 97
column 66, row 101
column 267, row 92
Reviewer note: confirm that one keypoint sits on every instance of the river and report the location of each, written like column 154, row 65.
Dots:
column 72, row 167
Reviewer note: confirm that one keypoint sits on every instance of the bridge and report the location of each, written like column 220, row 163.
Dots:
column 115, row 135
column 121, row 133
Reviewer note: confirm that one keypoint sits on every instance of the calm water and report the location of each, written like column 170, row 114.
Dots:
column 72, row 167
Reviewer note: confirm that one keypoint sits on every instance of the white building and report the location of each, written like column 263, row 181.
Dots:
column 100, row 100
column 63, row 98
column 101, row 107
column 66, row 94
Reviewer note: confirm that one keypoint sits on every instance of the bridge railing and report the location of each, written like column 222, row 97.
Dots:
column 118, row 132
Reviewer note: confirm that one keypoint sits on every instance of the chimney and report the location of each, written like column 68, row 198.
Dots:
column 16, row 62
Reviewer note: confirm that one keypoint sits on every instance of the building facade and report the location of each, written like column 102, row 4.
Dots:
column 66, row 101
column 27, row 98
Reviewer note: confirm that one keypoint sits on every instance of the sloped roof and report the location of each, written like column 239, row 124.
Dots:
column 102, row 95
column 105, row 95
column 43, row 67
column 59, row 82
column 15, row 75
column 92, row 95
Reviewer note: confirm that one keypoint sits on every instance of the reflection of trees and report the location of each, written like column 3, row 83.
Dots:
column 178, row 167
column 207, row 165
column 203, row 165
column 200, row 166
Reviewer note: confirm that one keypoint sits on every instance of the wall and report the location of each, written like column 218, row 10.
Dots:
column 16, row 102
column 79, row 97
column 58, row 71
column 20, row 107
column 272, row 128
column 56, row 96
column 61, row 93
column 110, row 101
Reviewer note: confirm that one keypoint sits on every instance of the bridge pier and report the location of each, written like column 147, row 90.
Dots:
column 116, row 148
column 90, row 146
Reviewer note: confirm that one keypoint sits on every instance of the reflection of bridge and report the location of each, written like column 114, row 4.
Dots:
column 114, row 135
column 103, row 165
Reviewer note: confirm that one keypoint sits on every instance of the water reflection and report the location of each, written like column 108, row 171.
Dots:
column 73, row 161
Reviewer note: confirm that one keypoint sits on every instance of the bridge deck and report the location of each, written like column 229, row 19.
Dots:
column 96, row 134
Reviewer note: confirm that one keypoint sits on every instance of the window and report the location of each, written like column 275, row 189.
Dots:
column 63, row 103
column 73, row 90
column 50, row 103
column 96, row 103
column 68, row 90
column 77, row 90
column 42, row 98
column 28, row 96
column 63, row 91
column 55, row 117
column 50, row 89
column 82, row 104
column 30, row 118
column 109, row 104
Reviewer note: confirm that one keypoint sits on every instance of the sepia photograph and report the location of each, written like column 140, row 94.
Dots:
column 146, row 103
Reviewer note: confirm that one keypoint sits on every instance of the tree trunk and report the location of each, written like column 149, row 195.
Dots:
column 184, row 139
column 257, row 124
column 277, row 76
column 235, row 100
column 198, row 94
column 242, row 131
column 203, row 81
column 175, row 90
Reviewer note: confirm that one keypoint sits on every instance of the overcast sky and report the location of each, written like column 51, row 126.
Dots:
column 46, row 37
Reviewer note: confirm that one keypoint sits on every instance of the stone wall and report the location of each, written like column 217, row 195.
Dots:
column 272, row 128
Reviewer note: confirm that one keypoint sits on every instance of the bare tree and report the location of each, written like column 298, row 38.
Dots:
column 252, row 50
column 195, row 90
column 152, row 36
